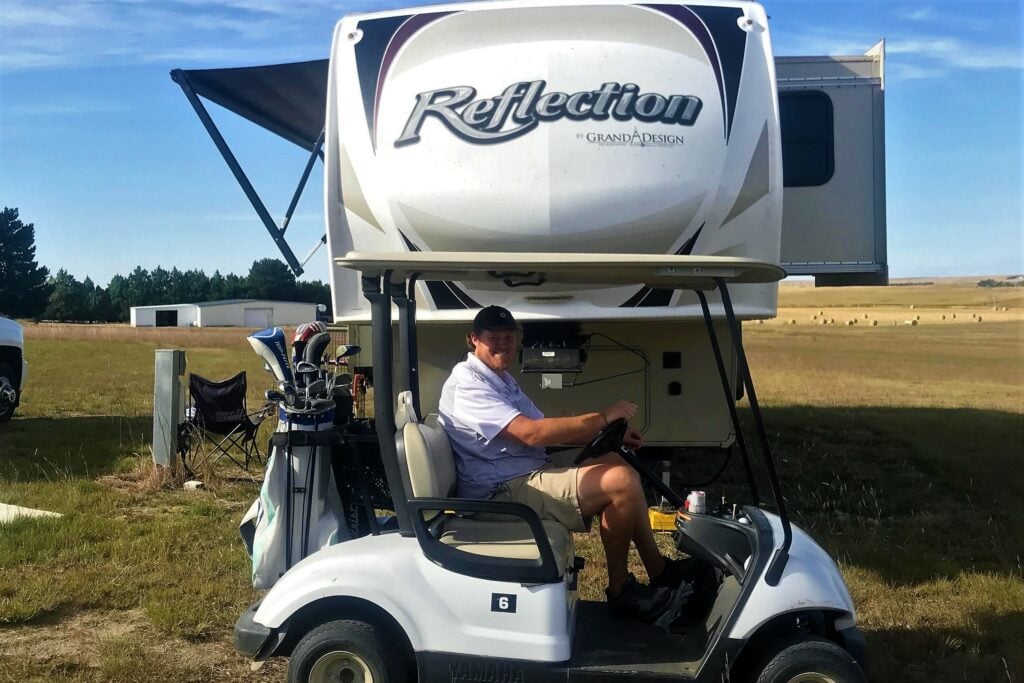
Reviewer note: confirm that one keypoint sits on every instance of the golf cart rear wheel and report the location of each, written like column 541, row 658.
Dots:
column 348, row 651
column 809, row 660
column 8, row 393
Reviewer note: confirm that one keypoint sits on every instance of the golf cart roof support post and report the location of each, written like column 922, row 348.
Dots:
column 397, row 291
column 411, row 344
column 778, row 562
column 302, row 183
column 181, row 79
column 383, row 393
column 729, row 396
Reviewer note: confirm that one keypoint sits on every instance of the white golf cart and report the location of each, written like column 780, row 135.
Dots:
column 436, row 593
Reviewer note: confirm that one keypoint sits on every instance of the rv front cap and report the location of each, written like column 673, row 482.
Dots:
column 494, row 318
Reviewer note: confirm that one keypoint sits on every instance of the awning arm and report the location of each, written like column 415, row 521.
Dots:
column 277, row 234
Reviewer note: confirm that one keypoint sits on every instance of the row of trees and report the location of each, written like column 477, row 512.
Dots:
column 27, row 290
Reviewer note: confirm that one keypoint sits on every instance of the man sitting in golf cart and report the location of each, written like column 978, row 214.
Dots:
column 498, row 436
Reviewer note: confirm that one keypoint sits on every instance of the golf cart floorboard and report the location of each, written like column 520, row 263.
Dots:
column 615, row 648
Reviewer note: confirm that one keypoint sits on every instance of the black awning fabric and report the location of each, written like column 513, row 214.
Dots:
column 286, row 99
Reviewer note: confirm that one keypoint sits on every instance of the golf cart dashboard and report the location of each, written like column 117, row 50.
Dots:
column 732, row 545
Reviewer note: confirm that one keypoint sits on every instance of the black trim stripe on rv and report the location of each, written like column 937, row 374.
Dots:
column 647, row 297
column 724, row 42
column 446, row 295
column 382, row 38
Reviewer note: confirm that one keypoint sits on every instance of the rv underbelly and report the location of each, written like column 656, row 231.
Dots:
column 602, row 127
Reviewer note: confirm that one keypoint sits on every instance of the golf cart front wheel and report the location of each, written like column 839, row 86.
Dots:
column 809, row 660
column 347, row 651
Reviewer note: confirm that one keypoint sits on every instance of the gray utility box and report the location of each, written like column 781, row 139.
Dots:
column 168, row 404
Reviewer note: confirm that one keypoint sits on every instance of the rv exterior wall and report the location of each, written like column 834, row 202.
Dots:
column 694, row 414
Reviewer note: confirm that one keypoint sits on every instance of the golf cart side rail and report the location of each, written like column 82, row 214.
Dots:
column 542, row 570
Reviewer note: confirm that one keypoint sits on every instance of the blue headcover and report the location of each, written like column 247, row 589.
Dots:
column 270, row 345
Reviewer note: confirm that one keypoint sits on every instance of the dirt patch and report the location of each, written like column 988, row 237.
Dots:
column 118, row 645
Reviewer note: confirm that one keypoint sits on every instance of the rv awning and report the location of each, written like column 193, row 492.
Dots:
column 518, row 269
column 286, row 99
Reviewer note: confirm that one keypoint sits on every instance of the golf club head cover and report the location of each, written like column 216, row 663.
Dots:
column 315, row 348
column 270, row 345
column 303, row 333
column 346, row 350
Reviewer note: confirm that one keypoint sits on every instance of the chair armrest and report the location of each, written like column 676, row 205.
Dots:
column 542, row 570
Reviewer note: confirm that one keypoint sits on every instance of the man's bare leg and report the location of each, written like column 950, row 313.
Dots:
column 609, row 486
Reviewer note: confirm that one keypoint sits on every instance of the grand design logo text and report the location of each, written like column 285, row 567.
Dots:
column 524, row 105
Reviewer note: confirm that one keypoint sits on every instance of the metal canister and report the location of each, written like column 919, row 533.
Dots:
column 696, row 502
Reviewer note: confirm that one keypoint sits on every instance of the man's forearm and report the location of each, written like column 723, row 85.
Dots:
column 552, row 431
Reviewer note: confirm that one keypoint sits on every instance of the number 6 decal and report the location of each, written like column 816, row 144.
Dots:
column 503, row 602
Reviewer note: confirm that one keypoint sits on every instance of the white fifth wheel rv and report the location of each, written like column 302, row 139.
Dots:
column 567, row 126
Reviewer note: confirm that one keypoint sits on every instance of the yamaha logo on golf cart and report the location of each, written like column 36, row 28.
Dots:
column 524, row 105
column 480, row 672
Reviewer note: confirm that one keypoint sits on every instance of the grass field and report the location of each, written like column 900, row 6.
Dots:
column 900, row 445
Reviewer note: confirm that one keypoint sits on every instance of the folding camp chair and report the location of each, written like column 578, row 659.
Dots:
column 217, row 413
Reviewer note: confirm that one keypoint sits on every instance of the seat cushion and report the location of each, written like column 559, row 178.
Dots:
column 513, row 540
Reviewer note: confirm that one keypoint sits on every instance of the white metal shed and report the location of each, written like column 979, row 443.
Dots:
column 227, row 313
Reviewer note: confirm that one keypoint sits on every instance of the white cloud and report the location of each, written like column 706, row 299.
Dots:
column 918, row 14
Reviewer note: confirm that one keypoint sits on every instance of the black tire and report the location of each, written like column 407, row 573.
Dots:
column 350, row 651
column 808, row 660
column 6, row 379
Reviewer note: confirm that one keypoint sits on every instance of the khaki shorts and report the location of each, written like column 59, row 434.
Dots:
column 550, row 491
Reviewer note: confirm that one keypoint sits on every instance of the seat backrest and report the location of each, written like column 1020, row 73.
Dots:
column 218, row 402
column 429, row 463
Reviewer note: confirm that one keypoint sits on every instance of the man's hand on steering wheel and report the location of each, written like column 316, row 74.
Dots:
column 614, row 434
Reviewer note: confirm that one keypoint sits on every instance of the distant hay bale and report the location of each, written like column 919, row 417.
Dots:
column 824, row 321
column 995, row 308
column 954, row 316
column 894, row 323
column 831, row 321
column 974, row 315
column 874, row 323
column 760, row 322
column 910, row 322
column 792, row 322
column 850, row 322
column 814, row 317
column 821, row 312
column 943, row 316
column 917, row 317
column 912, row 307
column 865, row 316
column 979, row 318
column 1005, row 308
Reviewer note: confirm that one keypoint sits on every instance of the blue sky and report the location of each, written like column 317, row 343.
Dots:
column 101, row 151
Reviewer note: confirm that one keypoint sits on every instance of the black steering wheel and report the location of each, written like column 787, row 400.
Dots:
column 607, row 440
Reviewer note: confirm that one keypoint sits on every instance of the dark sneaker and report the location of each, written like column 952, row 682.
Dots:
column 638, row 601
column 675, row 573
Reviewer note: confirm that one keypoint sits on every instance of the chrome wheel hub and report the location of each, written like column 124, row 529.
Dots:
column 340, row 666
column 812, row 677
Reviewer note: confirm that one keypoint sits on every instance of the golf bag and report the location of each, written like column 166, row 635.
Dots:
column 299, row 510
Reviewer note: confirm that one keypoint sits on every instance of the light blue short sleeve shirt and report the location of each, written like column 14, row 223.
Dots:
column 476, row 404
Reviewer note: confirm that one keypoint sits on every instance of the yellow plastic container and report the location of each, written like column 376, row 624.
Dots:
column 662, row 518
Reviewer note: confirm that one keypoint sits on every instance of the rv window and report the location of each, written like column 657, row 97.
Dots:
column 807, row 138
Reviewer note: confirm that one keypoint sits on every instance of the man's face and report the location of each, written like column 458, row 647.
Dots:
column 496, row 348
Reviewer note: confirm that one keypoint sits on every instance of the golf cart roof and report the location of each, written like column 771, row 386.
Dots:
column 673, row 272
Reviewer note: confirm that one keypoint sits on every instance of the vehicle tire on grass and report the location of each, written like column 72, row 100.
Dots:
column 347, row 650
column 7, row 385
column 807, row 659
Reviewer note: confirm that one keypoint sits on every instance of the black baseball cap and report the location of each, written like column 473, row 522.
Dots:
column 494, row 318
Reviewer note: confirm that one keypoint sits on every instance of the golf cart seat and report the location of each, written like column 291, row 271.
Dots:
column 425, row 456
